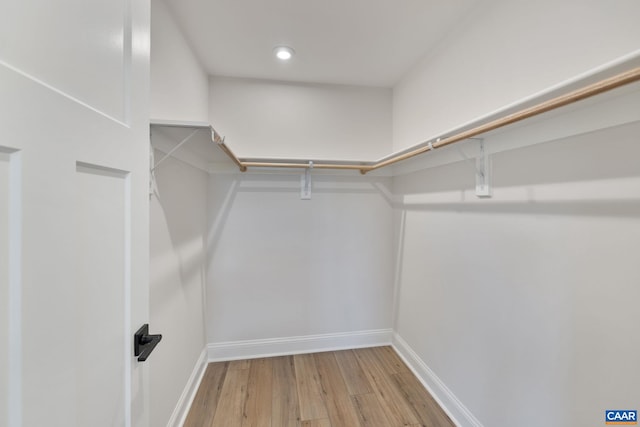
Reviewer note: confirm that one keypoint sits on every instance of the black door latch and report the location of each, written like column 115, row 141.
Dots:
column 143, row 343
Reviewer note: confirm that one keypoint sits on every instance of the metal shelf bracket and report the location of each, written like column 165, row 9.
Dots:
column 483, row 172
column 305, row 183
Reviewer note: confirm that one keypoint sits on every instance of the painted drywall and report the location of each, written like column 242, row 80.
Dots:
column 179, row 84
column 524, row 305
column 303, row 121
column 505, row 51
column 177, row 245
column 281, row 267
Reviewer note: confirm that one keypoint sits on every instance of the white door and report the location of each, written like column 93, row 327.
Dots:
column 73, row 211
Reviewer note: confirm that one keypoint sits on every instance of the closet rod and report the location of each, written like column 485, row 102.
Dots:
column 303, row 165
column 543, row 107
column 588, row 91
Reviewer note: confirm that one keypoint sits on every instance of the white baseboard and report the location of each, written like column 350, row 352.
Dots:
column 459, row 413
column 189, row 393
column 252, row 349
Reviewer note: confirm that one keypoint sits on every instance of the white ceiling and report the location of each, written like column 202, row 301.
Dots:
column 361, row 42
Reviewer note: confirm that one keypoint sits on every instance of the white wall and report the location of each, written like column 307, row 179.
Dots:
column 304, row 121
column 179, row 84
column 512, row 302
column 178, row 225
column 281, row 267
column 524, row 304
column 507, row 50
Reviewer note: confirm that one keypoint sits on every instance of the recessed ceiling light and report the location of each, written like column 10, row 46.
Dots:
column 284, row 53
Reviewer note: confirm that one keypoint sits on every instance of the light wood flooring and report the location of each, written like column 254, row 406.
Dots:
column 368, row 387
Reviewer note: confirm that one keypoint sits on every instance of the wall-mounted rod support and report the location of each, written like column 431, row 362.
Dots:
column 220, row 141
column 483, row 172
column 305, row 187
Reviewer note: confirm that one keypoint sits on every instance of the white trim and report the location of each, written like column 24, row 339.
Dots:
column 251, row 349
column 459, row 413
column 129, row 405
column 181, row 410
column 15, row 288
column 179, row 123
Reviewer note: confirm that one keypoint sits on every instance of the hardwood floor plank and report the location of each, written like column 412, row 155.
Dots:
column 315, row 390
column 284, row 407
column 370, row 411
column 423, row 404
column 353, row 375
column 205, row 402
column 231, row 402
column 239, row 364
column 257, row 404
column 392, row 401
column 336, row 394
column 312, row 406
column 317, row 423
column 390, row 360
